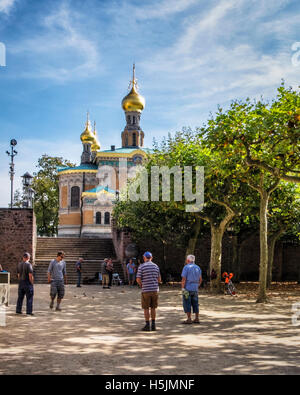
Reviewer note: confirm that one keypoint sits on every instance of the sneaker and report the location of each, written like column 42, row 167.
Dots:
column 146, row 328
column 19, row 312
column 30, row 314
column 58, row 308
column 153, row 327
column 51, row 305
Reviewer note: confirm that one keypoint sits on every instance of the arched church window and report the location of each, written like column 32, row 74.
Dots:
column 134, row 139
column 75, row 197
column 128, row 119
column 98, row 218
column 133, row 120
column 107, row 218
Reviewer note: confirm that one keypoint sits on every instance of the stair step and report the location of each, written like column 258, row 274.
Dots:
column 92, row 250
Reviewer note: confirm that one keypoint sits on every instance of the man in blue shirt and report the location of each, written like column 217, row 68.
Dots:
column 191, row 280
column 131, row 269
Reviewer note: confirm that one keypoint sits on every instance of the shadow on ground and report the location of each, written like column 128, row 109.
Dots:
column 98, row 332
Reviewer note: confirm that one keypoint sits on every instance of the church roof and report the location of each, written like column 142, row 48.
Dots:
column 81, row 168
column 99, row 189
column 127, row 150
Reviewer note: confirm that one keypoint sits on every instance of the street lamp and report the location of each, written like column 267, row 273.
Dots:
column 27, row 179
column 28, row 192
column 12, row 154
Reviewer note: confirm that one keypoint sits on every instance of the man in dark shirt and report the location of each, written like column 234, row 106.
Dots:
column 105, row 274
column 79, row 270
column 25, row 276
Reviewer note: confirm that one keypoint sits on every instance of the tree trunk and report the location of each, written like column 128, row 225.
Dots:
column 263, row 266
column 194, row 237
column 216, row 257
column 271, row 249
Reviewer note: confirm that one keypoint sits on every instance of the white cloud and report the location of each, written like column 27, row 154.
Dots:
column 61, row 52
column 164, row 9
column 6, row 5
column 220, row 56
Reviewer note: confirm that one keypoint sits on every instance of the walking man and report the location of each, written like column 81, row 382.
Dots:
column 148, row 278
column 191, row 281
column 79, row 270
column 25, row 276
column 57, row 277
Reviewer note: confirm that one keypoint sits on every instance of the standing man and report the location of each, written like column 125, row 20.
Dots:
column 110, row 270
column 191, row 281
column 105, row 275
column 79, row 270
column 25, row 276
column 57, row 277
column 148, row 278
column 131, row 270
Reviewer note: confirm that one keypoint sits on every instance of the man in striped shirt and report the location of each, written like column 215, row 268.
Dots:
column 148, row 278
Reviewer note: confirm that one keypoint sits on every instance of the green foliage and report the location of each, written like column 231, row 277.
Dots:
column 46, row 194
column 249, row 153
column 284, row 210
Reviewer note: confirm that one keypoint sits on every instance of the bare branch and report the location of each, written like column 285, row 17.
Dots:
column 274, row 186
column 273, row 170
column 221, row 203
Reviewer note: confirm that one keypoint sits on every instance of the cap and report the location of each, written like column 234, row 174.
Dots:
column 148, row 255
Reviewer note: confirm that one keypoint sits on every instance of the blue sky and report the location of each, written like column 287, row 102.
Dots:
column 64, row 57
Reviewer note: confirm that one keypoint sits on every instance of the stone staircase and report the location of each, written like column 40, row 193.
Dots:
column 92, row 250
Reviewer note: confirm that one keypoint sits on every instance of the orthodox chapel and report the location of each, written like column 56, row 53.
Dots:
column 87, row 192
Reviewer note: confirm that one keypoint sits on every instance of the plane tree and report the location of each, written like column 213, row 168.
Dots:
column 255, row 137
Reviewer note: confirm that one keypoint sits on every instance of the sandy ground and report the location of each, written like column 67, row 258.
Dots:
column 98, row 332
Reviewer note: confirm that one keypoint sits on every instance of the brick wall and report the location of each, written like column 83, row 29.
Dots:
column 17, row 235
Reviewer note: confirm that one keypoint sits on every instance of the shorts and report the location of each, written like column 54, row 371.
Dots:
column 131, row 277
column 149, row 300
column 191, row 302
column 57, row 288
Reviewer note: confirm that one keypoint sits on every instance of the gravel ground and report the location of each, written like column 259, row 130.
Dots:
column 98, row 332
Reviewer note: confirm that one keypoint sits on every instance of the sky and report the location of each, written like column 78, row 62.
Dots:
column 67, row 57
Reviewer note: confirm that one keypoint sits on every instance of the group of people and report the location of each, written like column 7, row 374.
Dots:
column 147, row 276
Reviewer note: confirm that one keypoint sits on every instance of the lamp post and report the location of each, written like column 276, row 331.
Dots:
column 28, row 192
column 12, row 154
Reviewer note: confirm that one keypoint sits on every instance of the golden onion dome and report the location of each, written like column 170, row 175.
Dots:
column 133, row 101
column 87, row 136
column 96, row 144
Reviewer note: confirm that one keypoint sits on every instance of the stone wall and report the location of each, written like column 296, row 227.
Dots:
column 286, row 257
column 17, row 235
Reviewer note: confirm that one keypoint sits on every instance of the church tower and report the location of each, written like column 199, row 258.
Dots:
column 133, row 104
